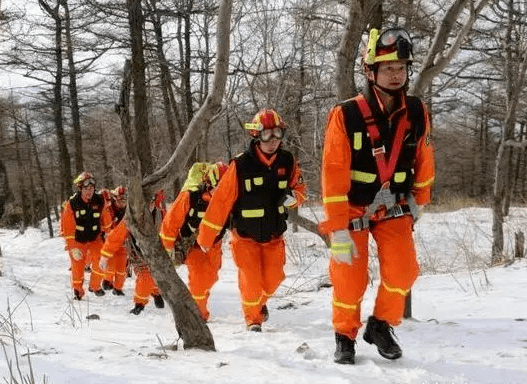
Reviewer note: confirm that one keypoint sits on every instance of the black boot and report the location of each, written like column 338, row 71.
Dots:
column 106, row 285
column 117, row 292
column 265, row 313
column 158, row 301
column 137, row 309
column 254, row 328
column 345, row 351
column 381, row 334
column 77, row 294
column 99, row 292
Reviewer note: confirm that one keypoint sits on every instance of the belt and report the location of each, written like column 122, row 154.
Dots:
column 397, row 210
column 363, row 222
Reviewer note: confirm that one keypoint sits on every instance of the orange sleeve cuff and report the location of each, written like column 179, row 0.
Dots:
column 174, row 220
column 206, row 235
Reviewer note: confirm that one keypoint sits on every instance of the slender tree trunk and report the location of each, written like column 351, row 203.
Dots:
column 186, row 69
column 21, row 183
column 515, row 81
column 108, row 174
column 64, row 156
column 4, row 188
column 75, row 110
column 41, row 182
column 166, row 81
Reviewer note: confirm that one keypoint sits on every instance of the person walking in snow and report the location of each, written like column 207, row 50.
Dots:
column 119, row 237
column 181, row 222
column 255, row 192
column 82, row 222
column 377, row 174
column 116, row 253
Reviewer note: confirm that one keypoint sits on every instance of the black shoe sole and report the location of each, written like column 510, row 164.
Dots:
column 345, row 360
column 395, row 356
column 99, row 293
column 106, row 285
column 137, row 310
column 159, row 302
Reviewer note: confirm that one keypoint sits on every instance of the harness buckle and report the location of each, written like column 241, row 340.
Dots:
column 359, row 224
column 396, row 211
column 378, row 151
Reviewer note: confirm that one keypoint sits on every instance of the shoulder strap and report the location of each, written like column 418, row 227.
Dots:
column 417, row 115
column 385, row 168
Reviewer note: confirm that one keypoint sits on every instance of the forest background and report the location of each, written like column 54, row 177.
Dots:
column 65, row 62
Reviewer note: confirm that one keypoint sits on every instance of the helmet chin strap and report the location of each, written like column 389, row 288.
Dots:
column 392, row 92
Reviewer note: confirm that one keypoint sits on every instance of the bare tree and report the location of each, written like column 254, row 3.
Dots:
column 72, row 71
column 443, row 50
column 361, row 13
column 65, row 168
column 516, row 67
column 190, row 326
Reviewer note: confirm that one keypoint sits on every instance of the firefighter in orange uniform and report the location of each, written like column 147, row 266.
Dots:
column 256, row 191
column 182, row 220
column 377, row 174
column 116, row 253
column 83, row 220
column 145, row 285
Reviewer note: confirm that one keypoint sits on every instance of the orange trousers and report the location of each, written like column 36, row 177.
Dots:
column 203, row 274
column 145, row 285
column 116, row 272
column 260, row 273
column 90, row 253
column 398, row 271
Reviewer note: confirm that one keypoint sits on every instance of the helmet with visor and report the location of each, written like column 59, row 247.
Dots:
column 393, row 44
column 265, row 125
column 85, row 179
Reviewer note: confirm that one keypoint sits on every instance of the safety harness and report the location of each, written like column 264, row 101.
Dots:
column 385, row 169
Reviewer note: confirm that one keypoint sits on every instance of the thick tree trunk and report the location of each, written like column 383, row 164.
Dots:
column 189, row 325
column 361, row 13
column 141, row 126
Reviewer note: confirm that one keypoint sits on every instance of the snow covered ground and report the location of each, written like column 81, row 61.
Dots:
column 469, row 325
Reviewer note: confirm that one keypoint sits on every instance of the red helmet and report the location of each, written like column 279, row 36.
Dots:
column 215, row 172
column 266, row 119
column 84, row 179
column 119, row 193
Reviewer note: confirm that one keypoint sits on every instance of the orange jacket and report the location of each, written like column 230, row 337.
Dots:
column 225, row 197
column 336, row 165
column 174, row 220
column 115, row 240
column 68, row 224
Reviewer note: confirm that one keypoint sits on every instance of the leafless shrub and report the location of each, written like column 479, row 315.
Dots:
column 16, row 375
